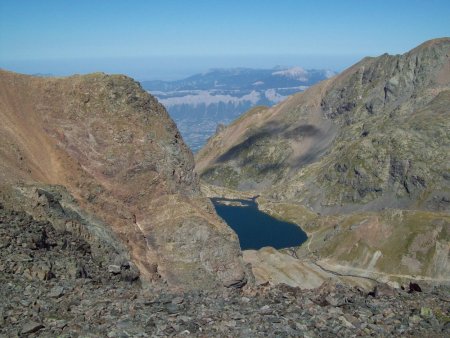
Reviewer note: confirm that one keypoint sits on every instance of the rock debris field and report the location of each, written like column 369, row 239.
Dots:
column 51, row 286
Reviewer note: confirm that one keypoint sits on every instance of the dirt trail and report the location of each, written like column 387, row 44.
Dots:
column 377, row 276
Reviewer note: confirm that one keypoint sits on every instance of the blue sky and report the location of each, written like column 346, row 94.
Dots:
column 166, row 39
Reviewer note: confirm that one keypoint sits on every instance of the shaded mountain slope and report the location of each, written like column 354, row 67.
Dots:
column 364, row 155
column 99, row 156
column 266, row 145
column 377, row 133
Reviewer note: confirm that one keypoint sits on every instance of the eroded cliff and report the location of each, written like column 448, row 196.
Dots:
column 98, row 156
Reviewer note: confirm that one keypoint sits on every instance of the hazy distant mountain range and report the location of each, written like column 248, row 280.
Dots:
column 202, row 101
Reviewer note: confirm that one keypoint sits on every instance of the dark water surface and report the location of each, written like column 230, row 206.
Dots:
column 257, row 229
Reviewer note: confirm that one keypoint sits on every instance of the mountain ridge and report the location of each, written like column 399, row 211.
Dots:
column 309, row 107
column 369, row 146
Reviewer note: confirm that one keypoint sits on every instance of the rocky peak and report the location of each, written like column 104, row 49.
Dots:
column 114, row 157
column 382, row 84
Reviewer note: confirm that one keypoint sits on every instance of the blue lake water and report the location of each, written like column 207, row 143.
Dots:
column 257, row 229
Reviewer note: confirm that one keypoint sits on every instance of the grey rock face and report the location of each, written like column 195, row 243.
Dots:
column 392, row 112
column 114, row 269
column 31, row 327
column 56, row 292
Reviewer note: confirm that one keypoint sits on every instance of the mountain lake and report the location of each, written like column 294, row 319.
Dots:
column 255, row 228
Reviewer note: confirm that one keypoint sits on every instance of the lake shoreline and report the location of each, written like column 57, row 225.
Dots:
column 255, row 228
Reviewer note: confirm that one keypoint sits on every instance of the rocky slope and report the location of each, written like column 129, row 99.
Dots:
column 99, row 157
column 361, row 161
column 53, row 285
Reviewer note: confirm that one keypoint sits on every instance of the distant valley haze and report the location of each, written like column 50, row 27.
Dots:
column 170, row 40
column 203, row 103
column 173, row 41
column 168, row 68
